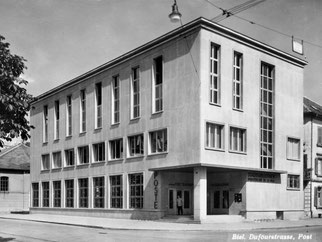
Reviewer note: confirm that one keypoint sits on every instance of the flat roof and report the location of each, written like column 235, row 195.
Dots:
column 218, row 167
column 199, row 23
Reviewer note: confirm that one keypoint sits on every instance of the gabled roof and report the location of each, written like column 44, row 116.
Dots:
column 15, row 158
column 312, row 108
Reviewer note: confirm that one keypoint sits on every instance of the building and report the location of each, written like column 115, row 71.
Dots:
column 15, row 178
column 202, row 112
column 312, row 158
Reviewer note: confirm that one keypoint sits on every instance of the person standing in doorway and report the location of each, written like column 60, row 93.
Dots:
column 179, row 205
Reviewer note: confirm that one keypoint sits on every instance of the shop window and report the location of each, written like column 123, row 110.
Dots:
column 98, row 190
column 69, row 193
column 45, row 194
column 57, row 194
column 116, row 184
column 83, row 192
column 136, row 190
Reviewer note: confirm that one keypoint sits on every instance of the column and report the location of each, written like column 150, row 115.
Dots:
column 200, row 193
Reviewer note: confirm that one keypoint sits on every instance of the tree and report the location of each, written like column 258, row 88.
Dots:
column 14, row 99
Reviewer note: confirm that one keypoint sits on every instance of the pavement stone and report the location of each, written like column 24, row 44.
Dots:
column 164, row 225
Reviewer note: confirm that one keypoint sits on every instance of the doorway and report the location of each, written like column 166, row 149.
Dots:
column 219, row 201
column 185, row 194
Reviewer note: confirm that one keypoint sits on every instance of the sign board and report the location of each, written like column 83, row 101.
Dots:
column 297, row 46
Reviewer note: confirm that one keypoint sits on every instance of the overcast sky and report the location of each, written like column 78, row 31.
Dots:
column 62, row 39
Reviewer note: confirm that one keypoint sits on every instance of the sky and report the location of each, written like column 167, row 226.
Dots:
column 62, row 39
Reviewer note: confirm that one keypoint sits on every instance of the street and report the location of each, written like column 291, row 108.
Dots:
column 19, row 230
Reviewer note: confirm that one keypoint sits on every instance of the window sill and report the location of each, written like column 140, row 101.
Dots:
column 116, row 159
column 215, row 149
column 292, row 159
column 238, row 110
column 115, row 124
column 237, row 152
column 56, row 140
column 215, row 104
column 319, row 145
column 156, row 154
column 4, row 191
column 45, row 171
column 97, row 163
column 69, row 136
column 134, row 157
column 135, row 119
column 45, row 143
column 158, row 112
column 56, row 169
column 69, row 167
column 97, row 129
column 82, row 133
column 293, row 189
column 83, row 165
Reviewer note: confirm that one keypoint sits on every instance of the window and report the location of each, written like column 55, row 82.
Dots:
column 57, row 160
column 56, row 117
column 214, row 74
column 135, row 93
column 45, row 124
column 83, row 192
column 116, row 191
column 116, row 149
column 157, row 92
column 116, row 100
column 136, row 145
column 69, row 190
column 319, row 136
column 98, row 190
column 293, row 181
column 318, row 166
column 57, row 194
column 237, row 140
column 83, row 155
column 35, row 194
column 136, row 190
column 69, row 116
column 158, row 141
column 70, row 157
column 45, row 194
column 82, row 110
column 214, row 136
column 318, row 197
column 4, row 184
column 293, row 149
column 99, row 152
column 237, row 81
column 45, row 162
column 98, row 105
column 266, row 116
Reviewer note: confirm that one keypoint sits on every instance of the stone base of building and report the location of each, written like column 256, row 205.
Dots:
column 272, row 215
column 106, row 213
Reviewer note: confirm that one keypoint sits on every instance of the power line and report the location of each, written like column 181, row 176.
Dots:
column 228, row 14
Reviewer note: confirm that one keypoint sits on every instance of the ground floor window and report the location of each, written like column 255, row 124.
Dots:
column 57, row 194
column 45, row 194
column 69, row 190
column 35, row 194
column 4, row 184
column 116, row 191
column 318, row 197
column 83, row 192
column 136, row 190
column 293, row 181
column 98, row 185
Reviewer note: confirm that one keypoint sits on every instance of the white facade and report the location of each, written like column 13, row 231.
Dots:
column 201, row 113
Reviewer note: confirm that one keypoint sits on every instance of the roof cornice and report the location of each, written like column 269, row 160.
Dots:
column 187, row 28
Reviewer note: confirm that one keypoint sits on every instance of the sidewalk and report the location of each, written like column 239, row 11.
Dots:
column 164, row 225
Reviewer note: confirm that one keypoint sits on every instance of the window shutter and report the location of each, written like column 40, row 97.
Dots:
column 315, row 197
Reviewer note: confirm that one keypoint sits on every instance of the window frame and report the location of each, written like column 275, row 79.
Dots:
column 150, row 152
column 208, row 147
column 98, row 105
column 98, row 148
column 141, row 187
column 135, row 95
column 56, row 119
column 116, row 191
column 54, row 164
column 57, row 194
column 111, row 149
column 129, row 148
column 83, row 193
column 318, row 166
column 42, row 162
column 288, row 156
column 45, row 124
column 69, row 116
column 67, row 160
column 4, row 184
column 116, row 101
column 45, row 191
column 157, row 88
column 69, row 199
column 240, row 60
column 290, row 181
column 35, row 199
column 82, row 106
column 81, row 155
column 213, row 91
column 98, row 199
column 244, row 138
column 319, row 137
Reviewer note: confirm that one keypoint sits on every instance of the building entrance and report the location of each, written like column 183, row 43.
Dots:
column 218, row 200
column 186, row 197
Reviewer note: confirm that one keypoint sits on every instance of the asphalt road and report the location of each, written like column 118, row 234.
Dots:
column 18, row 230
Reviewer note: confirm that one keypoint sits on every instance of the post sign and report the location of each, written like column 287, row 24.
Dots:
column 297, row 46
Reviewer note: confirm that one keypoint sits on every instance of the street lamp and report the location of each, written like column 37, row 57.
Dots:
column 175, row 15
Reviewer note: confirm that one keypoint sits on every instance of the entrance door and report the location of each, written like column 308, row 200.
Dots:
column 220, row 201
column 185, row 194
